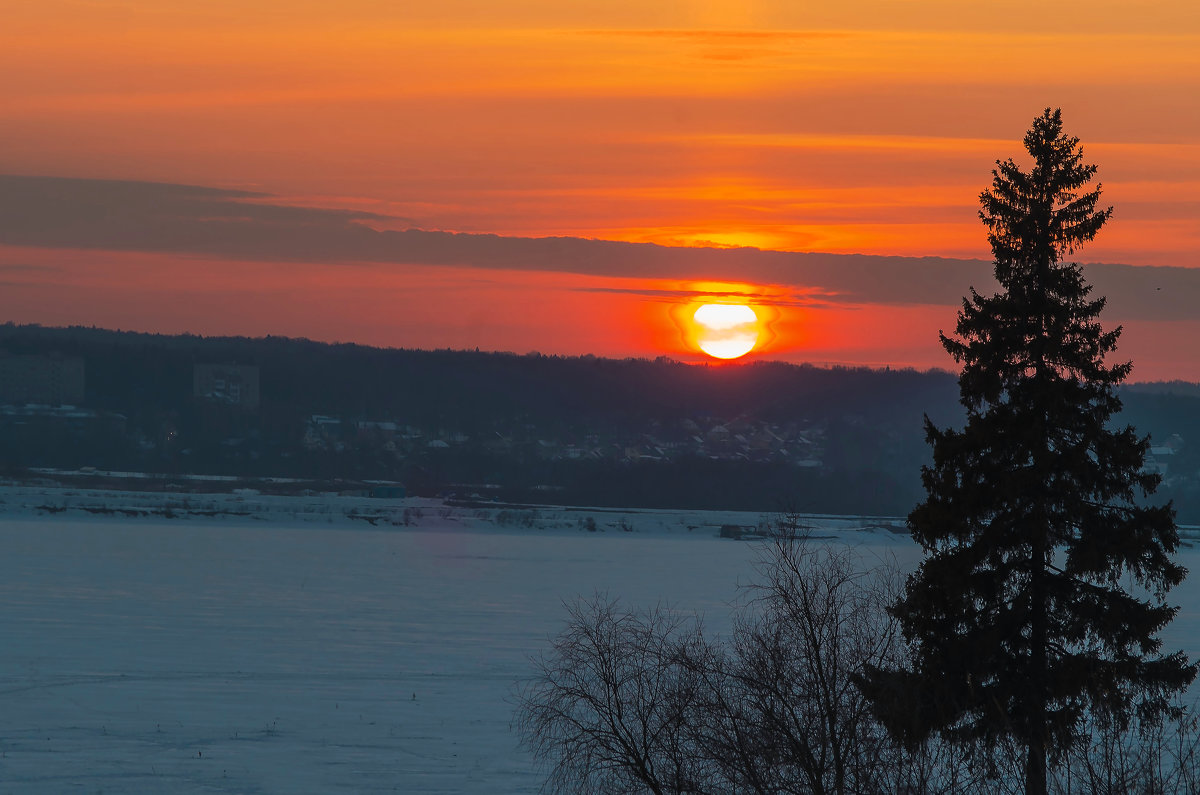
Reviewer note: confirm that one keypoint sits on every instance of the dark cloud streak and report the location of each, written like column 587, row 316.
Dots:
column 181, row 219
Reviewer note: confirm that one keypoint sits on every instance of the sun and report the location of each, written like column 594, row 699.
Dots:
column 726, row 331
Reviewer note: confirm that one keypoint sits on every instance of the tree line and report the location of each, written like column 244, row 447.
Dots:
column 871, row 452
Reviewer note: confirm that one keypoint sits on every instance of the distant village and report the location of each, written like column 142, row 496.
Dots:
column 737, row 440
column 49, row 391
column 220, row 429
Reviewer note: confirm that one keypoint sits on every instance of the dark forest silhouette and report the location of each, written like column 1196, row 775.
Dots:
column 499, row 407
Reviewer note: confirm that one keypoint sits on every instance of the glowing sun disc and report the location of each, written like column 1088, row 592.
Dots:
column 726, row 331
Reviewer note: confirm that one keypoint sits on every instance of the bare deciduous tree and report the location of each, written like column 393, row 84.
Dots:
column 1146, row 755
column 629, row 701
column 636, row 701
column 816, row 617
column 608, row 708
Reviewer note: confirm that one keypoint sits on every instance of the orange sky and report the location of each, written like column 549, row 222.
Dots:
column 855, row 127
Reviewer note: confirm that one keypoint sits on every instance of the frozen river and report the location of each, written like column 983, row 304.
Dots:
column 181, row 657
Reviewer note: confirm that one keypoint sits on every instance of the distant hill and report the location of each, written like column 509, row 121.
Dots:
column 759, row 436
column 1164, row 388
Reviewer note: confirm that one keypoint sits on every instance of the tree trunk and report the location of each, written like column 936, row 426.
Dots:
column 1035, row 768
column 1036, row 729
column 1036, row 733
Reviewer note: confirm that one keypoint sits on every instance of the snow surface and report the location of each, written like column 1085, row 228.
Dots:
column 298, row 650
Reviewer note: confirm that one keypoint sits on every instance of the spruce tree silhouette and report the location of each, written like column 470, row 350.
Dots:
column 1042, row 588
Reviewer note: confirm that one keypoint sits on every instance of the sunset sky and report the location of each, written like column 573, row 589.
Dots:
column 565, row 176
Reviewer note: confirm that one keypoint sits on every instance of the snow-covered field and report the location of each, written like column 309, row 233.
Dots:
column 288, row 650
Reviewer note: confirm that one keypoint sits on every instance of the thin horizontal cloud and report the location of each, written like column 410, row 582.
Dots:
column 21, row 267
column 826, row 142
column 717, row 35
column 813, row 299
column 108, row 215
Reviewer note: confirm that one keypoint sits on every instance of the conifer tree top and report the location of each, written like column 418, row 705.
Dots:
column 1035, row 217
